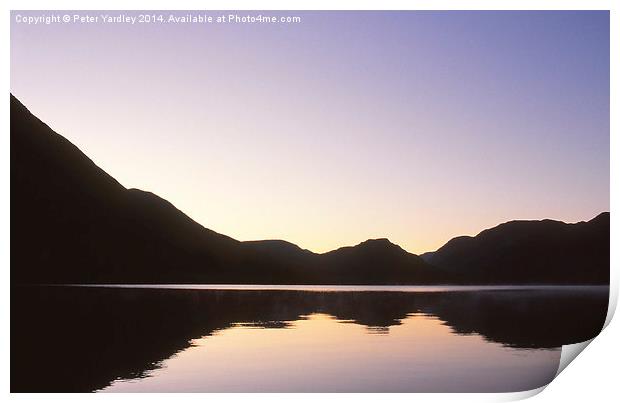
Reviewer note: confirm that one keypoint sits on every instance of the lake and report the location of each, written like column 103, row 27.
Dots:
column 236, row 338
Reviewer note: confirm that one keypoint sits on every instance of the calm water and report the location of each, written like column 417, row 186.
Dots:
column 178, row 338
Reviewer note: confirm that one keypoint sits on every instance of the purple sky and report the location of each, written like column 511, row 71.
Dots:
column 416, row 126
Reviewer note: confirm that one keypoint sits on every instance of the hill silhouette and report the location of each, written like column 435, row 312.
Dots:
column 521, row 252
column 71, row 222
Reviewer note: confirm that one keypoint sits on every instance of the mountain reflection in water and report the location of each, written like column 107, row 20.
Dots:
column 73, row 339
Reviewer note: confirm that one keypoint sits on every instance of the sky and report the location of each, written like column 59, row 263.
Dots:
column 345, row 126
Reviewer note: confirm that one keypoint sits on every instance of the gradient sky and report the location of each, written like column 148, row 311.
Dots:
column 415, row 126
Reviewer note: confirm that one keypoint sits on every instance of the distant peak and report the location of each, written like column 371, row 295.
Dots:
column 377, row 241
column 383, row 243
column 602, row 216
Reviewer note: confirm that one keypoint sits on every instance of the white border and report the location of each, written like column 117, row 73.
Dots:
column 575, row 384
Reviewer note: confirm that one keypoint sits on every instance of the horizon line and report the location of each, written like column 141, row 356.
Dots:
column 284, row 240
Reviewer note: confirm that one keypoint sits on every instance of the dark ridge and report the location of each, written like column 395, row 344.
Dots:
column 519, row 252
column 71, row 222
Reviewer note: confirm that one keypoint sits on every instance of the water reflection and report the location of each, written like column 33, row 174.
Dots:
column 83, row 339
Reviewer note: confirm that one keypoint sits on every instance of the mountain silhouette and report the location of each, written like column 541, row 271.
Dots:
column 71, row 222
column 521, row 252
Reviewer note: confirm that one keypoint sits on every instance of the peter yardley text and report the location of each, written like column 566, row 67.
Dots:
column 153, row 18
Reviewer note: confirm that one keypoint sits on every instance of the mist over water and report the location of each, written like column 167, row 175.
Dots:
column 310, row 339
